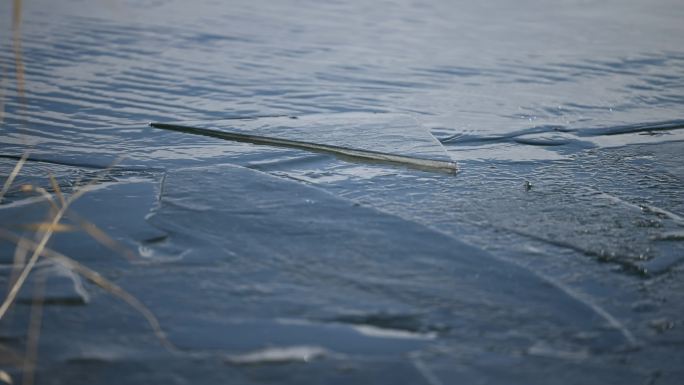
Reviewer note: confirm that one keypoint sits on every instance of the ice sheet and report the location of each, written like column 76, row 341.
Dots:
column 282, row 248
column 386, row 137
column 242, row 250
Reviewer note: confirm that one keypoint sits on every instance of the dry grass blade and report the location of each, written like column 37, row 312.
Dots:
column 13, row 175
column 87, row 226
column 91, row 228
column 43, row 192
column 43, row 226
column 84, row 224
column 100, row 281
column 20, row 253
column 14, row 290
column 5, row 377
column 34, row 331
column 112, row 288
column 100, row 236
column 58, row 191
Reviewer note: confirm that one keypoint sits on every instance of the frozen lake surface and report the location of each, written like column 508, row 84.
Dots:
column 553, row 256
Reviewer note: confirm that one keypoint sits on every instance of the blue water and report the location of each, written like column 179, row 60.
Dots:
column 556, row 248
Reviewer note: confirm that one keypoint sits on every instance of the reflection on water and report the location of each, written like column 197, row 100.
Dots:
column 3, row 70
column 16, row 45
column 18, row 61
column 95, row 69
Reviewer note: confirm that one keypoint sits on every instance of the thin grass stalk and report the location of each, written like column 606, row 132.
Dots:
column 97, row 279
column 10, row 179
column 12, row 294
column 35, row 323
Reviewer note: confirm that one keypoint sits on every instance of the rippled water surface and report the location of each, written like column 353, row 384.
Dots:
column 554, row 254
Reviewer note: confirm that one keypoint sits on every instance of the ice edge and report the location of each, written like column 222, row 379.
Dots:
column 420, row 163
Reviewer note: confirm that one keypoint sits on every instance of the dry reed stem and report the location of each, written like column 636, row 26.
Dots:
column 85, row 225
column 5, row 377
column 43, row 226
column 20, row 252
column 44, row 193
column 98, row 280
column 39, row 248
column 90, row 227
column 35, row 322
column 13, row 175
column 12, row 294
column 100, row 236
column 57, row 190
column 14, row 290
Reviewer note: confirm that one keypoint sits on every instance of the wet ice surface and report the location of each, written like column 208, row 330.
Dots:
column 554, row 256
column 342, row 285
